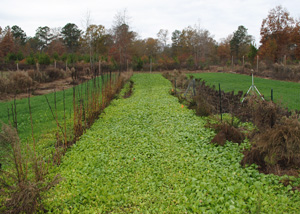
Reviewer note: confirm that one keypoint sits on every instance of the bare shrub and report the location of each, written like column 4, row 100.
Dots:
column 277, row 69
column 226, row 131
column 86, row 71
column 248, row 65
column 181, row 80
column 5, row 85
column 21, row 81
column 262, row 66
column 36, row 75
column 276, row 148
column 54, row 74
column 74, row 75
column 261, row 113
column 283, row 72
column 203, row 108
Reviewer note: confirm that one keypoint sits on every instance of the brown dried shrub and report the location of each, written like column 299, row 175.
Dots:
column 54, row 74
column 21, row 81
column 167, row 75
column 278, row 147
column 5, row 86
column 21, row 192
column 286, row 72
column 181, row 80
column 86, row 71
column 262, row 66
column 248, row 65
column 261, row 113
column 226, row 132
column 202, row 107
column 36, row 75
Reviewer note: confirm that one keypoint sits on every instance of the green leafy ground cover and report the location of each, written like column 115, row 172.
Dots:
column 286, row 92
column 147, row 154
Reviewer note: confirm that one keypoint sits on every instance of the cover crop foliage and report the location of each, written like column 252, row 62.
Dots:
column 148, row 154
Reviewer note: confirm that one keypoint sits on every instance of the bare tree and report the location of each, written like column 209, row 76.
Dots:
column 56, row 33
column 120, row 19
column 162, row 36
column 86, row 22
column 122, row 35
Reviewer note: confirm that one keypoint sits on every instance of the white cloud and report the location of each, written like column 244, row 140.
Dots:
column 220, row 17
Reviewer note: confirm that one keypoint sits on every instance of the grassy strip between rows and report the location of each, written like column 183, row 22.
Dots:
column 42, row 117
column 44, row 124
column 147, row 154
column 286, row 92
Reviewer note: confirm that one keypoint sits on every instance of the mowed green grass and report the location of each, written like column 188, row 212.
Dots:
column 286, row 92
column 44, row 124
column 43, row 121
column 41, row 113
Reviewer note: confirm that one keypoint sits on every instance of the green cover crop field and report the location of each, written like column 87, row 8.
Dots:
column 147, row 154
column 286, row 92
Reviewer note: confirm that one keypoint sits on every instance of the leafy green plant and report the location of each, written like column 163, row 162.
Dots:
column 43, row 59
column 148, row 153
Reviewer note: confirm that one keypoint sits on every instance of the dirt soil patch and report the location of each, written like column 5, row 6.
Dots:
column 46, row 88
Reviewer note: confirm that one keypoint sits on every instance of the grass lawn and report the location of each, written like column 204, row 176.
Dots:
column 286, row 92
column 43, row 120
column 44, row 124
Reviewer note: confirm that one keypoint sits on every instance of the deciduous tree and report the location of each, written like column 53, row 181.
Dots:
column 162, row 36
column 123, row 36
column 276, row 31
column 224, row 52
column 7, row 43
column 95, row 36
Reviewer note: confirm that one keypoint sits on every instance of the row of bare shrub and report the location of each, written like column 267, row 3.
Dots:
column 275, row 71
column 276, row 140
column 277, row 150
column 48, row 75
column 282, row 72
column 21, row 81
column 178, row 78
column 276, row 147
column 16, row 82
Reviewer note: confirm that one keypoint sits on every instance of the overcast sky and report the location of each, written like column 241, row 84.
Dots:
column 220, row 17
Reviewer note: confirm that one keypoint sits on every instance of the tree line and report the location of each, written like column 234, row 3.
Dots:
column 120, row 47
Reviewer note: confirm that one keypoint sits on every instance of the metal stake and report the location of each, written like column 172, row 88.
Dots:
column 253, row 88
